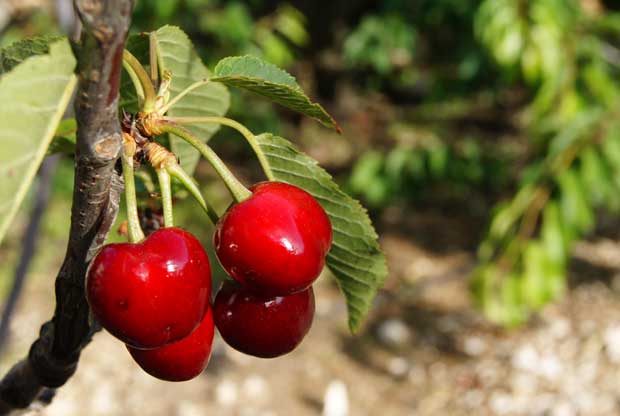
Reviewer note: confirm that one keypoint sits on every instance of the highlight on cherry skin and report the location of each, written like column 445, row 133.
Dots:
column 274, row 242
column 151, row 293
column 181, row 360
column 264, row 326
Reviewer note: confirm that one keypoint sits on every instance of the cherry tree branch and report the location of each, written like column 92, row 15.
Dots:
column 53, row 357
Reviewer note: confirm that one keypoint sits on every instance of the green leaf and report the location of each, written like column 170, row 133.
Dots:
column 176, row 54
column 355, row 258
column 17, row 52
column 533, row 285
column 514, row 312
column 610, row 149
column 38, row 91
column 555, row 240
column 438, row 161
column 265, row 79
column 596, row 177
column 367, row 169
column 576, row 211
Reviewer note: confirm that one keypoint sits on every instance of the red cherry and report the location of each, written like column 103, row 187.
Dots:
column 262, row 325
column 181, row 360
column 275, row 241
column 150, row 293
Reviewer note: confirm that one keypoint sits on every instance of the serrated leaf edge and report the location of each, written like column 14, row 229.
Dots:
column 327, row 121
column 355, row 319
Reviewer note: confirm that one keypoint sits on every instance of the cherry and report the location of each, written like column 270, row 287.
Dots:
column 181, row 360
column 262, row 325
column 151, row 293
column 276, row 240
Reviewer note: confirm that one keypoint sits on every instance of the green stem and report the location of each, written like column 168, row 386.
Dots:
column 182, row 94
column 135, row 81
column 178, row 172
column 153, row 58
column 236, row 188
column 166, row 196
column 133, row 221
column 143, row 78
column 249, row 136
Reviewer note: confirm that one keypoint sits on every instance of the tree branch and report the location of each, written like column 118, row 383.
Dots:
column 53, row 357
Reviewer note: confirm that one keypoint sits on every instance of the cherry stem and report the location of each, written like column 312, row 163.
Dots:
column 160, row 159
column 143, row 78
column 135, row 231
column 153, row 58
column 135, row 81
column 166, row 196
column 182, row 94
column 236, row 188
column 249, row 136
column 177, row 172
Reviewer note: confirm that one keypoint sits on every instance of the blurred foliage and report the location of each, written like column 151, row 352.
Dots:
column 469, row 76
column 412, row 173
column 567, row 58
column 383, row 43
column 224, row 28
column 563, row 57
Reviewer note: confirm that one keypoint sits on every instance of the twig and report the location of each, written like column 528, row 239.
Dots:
column 53, row 357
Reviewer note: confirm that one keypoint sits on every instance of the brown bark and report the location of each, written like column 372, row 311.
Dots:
column 53, row 357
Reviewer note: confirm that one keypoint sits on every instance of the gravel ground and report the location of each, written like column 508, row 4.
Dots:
column 425, row 351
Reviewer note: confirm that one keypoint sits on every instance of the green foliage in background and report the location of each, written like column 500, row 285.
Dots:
column 229, row 27
column 411, row 173
column 564, row 56
column 383, row 43
column 554, row 67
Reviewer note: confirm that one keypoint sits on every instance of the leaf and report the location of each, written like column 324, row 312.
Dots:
column 596, row 177
column 576, row 211
column 582, row 125
column 38, row 90
column 533, row 285
column 17, row 52
column 554, row 239
column 177, row 55
column 367, row 169
column 513, row 308
column 265, row 79
column 610, row 149
column 355, row 258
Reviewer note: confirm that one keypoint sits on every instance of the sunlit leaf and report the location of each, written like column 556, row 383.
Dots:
column 265, row 79
column 30, row 121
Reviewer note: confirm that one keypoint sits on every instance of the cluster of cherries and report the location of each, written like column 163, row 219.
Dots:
column 155, row 295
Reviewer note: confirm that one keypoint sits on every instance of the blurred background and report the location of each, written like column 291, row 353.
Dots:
column 484, row 138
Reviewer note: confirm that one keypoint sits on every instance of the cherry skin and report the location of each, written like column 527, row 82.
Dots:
column 262, row 325
column 181, row 360
column 151, row 293
column 276, row 240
